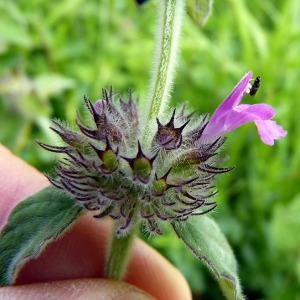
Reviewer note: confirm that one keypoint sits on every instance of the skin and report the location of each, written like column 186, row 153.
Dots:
column 72, row 266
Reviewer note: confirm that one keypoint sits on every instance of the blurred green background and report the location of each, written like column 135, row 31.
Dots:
column 54, row 52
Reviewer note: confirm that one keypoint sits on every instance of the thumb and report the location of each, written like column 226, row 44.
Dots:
column 86, row 289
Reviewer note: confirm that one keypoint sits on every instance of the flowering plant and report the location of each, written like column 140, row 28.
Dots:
column 143, row 167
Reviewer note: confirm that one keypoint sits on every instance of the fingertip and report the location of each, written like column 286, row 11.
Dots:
column 87, row 289
column 150, row 271
column 18, row 181
column 82, row 252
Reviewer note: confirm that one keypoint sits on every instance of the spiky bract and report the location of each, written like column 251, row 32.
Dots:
column 109, row 171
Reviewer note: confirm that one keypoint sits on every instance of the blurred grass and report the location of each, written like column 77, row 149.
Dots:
column 54, row 52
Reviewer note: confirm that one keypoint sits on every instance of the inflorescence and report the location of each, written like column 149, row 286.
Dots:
column 111, row 171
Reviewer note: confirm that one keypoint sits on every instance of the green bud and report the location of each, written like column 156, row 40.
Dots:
column 159, row 187
column 109, row 159
column 142, row 167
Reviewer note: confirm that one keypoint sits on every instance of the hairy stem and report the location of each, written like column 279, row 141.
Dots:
column 119, row 256
column 164, row 62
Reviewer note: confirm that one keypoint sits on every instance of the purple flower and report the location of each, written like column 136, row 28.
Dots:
column 230, row 115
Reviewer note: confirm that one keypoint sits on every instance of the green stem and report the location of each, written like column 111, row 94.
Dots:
column 164, row 62
column 119, row 256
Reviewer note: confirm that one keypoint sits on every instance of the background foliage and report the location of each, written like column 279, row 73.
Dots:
column 54, row 52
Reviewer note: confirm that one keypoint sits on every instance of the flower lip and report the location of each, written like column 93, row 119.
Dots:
column 231, row 115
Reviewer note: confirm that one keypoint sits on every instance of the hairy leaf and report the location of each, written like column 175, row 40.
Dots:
column 204, row 238
column 33, row 224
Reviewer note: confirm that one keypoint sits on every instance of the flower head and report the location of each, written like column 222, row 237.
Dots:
column 110, row 170
column 230, row 115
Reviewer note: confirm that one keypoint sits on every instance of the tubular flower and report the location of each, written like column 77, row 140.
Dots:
column 109, row 170
column 230, row 115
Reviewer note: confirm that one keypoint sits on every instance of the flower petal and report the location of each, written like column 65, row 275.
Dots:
column 236, row 95
column 236, row 117
column 269, row 131
column 220, row 122
column 230, row 115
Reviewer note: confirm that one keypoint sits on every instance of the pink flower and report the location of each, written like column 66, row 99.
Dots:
column 231, row 115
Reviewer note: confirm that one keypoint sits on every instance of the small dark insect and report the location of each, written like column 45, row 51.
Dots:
column 140, row 2
column 255, row 86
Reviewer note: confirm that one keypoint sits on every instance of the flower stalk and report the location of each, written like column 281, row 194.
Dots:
column 164, row 62
column 119, row 256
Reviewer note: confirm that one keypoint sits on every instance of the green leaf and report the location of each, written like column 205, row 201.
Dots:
column 33, row 224
column 204, row 238
column 199, row 10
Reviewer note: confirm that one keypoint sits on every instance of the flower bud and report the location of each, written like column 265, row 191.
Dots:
column 167, row 136
column 141, row 165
